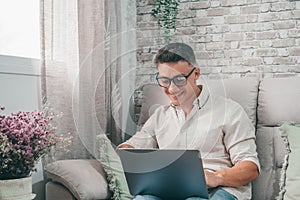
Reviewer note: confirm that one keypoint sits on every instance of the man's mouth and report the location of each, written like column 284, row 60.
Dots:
column 177, row 95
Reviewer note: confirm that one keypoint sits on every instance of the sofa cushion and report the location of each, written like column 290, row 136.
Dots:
column 290, row 171
column 84, row 178
column 112, row 165
column 153, row 97
column 271, row 152
column 278, row 101
column 242, row 90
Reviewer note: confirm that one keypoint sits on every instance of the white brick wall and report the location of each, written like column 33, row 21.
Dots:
column 231, row 38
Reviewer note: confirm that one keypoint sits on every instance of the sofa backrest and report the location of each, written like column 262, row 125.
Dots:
column 241, row 90
column 278, row 102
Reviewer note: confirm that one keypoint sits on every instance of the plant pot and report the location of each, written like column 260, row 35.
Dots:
column 16, row 189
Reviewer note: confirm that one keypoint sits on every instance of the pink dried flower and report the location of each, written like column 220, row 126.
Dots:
column 24, row 138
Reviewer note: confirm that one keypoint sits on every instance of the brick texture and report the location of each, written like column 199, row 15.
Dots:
column 231, row 38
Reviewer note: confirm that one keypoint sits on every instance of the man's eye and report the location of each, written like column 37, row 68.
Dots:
column 164, row 81
column 180, row 78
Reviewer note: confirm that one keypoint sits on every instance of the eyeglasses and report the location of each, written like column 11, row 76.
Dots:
column 178, row 80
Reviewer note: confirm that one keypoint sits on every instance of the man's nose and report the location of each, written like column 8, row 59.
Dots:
column 172, row 88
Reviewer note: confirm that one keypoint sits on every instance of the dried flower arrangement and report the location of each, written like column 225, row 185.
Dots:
column 24, row 138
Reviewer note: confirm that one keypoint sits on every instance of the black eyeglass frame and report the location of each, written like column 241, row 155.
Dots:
column 172, row 79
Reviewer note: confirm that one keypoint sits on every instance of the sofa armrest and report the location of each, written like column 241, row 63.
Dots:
column 56, row 191
column 84, row 178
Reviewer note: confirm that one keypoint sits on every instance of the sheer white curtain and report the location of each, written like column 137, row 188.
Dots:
column 88, row 53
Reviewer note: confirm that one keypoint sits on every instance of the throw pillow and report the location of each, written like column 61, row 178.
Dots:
column 85, row 179
column 290, row 177
column 112, row 165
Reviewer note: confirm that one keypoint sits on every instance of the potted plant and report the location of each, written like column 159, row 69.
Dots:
column 24, row 138
column 165, row 12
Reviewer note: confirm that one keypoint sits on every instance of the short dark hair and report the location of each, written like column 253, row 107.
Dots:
column 175, row 52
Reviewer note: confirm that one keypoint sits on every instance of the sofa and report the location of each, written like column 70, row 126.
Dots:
column 269, row 102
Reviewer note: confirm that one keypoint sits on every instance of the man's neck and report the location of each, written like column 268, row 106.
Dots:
column 188, row 106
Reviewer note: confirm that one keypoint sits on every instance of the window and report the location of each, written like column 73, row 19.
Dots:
column 20, row 29
column 19, row 55
column 20, row 60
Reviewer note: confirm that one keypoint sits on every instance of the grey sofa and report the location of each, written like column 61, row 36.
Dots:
column 268, row 102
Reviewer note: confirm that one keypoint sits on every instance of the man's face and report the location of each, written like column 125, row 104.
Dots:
column 180, row 95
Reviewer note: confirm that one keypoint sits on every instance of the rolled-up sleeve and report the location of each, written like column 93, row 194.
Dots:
column 240, row 137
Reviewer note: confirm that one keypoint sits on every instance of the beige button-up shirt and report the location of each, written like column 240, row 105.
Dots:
column 218, row 127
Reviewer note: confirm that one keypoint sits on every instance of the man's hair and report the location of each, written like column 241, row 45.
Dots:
column 175, row 52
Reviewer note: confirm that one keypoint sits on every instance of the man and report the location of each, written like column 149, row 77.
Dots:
column 218, row 127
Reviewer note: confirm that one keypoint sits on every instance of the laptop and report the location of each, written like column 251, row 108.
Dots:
column 168, row 174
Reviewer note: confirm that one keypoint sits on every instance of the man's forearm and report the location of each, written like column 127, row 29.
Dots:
column 240, row 174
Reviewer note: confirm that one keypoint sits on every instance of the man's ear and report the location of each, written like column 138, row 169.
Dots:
column 197, row 72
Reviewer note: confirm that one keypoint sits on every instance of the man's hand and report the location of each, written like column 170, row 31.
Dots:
column 125, row 146
column 213, row 179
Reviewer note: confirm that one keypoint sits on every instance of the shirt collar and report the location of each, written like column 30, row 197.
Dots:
column 202, row 99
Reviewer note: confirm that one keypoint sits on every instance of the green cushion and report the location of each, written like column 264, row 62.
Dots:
column 290, row 179
column 112, row 165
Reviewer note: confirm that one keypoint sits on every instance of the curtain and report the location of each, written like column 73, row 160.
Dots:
column 88, row 70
